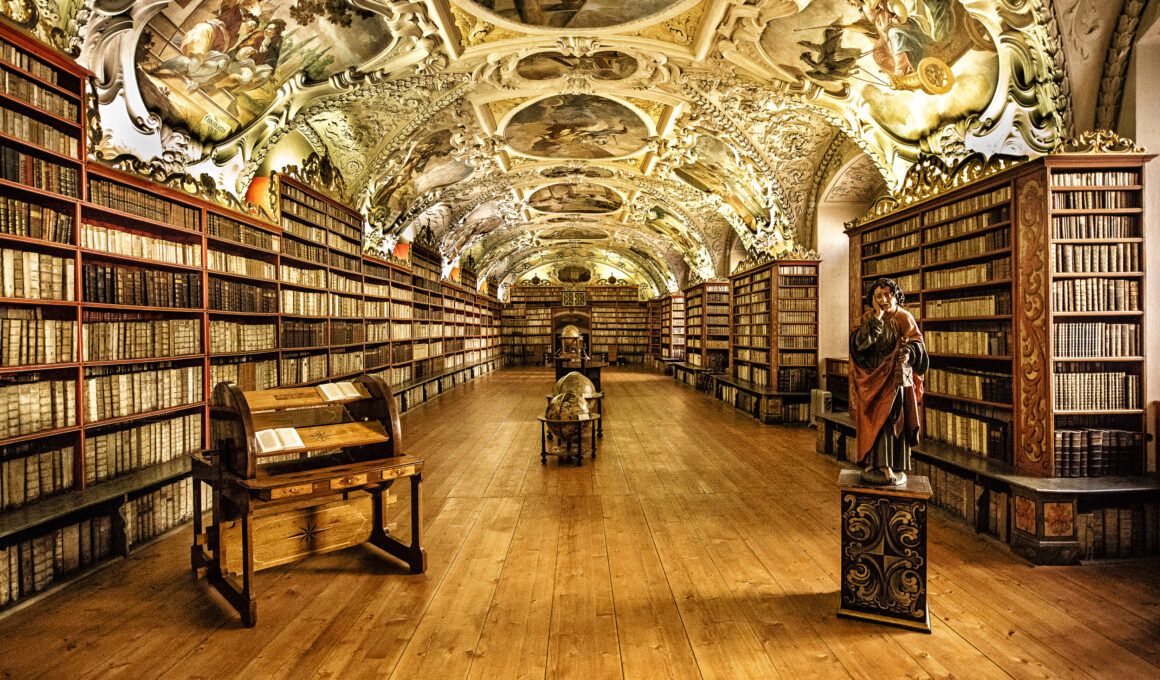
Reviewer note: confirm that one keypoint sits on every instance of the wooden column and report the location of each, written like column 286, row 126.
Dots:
column 884, row 551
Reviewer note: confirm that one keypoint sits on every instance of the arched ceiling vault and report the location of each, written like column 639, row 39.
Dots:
column 635, row 137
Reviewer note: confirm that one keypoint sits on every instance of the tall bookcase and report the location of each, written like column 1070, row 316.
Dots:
column 620, row 323
column 707, row 326
column 673, row 327
column 654, row 328
column 1028, row 285
column 774, row 344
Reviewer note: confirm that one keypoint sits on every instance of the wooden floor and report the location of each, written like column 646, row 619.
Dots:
column 698, row 544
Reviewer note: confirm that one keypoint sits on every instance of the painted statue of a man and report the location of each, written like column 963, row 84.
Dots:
column 888, row 360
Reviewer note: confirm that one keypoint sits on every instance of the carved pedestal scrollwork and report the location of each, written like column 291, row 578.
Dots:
column 884, row 551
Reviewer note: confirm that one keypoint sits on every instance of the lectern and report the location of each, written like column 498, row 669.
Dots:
column 295, row 472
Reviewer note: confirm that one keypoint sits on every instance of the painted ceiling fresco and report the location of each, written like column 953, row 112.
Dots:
column 652, row 137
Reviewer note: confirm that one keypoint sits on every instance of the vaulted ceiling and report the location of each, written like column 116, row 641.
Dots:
column 640, row 139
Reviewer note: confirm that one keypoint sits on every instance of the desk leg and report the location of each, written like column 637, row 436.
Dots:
column 593, row 429
column 543, row 443
column 414, row 554
column 250, row 615
column 600, row 424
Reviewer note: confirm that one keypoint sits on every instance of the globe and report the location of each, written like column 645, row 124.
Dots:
column 566, row 406
column 576, row 383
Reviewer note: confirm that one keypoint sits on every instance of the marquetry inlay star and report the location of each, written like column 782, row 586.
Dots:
column 310, row 532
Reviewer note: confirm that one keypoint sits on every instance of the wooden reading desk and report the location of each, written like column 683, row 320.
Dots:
column 297, row 472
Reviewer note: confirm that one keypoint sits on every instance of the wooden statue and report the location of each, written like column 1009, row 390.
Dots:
column 888, row 362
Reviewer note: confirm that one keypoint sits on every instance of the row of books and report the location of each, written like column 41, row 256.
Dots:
column 985, row 438
column 1131, row 531
column 36, row 276
column 157, row 512
column 337, row 242
column 1095, row 178
column 305, row 303
column 28, row 473
column 983, row 272
column 967, row 225
column 1095, row 295
column 114, row 284
column 344, row 363
column 892, row 230
column 784, row 305
column 1094, row 391
column 150, row 206
column 994, row 304
column 1095, row 200
column 117, row 453
column 305, row 368
column 235, row 296
column 314, row 211
column 304, row 251
column 232, row 336
column 118, row 391
column 241, row 265
column 350, row 332
column 345, row 285
column 397, row 331
column 984, row 342
column 1097, row 452
column 350, row 264
column 303, row 333
column 14, row 56
column 20, row 218
column 889, row 265
column 999, row 195
column 957, row 250
column 33, row 403
column 31, row 565
column 1097, row 339
column 1114, row 257
column 35, row 172
column 232, row 230
column 315, row 278
column 108, row 339
column 970, row 383
column 112, row 240
column 350, row 307
column 1095, row 226
column 259, row 374
column 796, row 379
column 904, row 242
column 797, row 359
column 797, row 342
column 27, row 339
column 16, row 124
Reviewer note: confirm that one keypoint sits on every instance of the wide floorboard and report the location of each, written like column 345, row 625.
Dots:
column 697, row 544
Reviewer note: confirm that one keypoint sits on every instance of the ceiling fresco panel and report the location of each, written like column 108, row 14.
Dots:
column 576, row 127
column 212, row 67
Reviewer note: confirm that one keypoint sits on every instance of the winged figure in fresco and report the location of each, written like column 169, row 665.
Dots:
column 833, row 62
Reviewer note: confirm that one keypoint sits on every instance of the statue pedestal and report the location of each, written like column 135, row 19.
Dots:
column 884, row 551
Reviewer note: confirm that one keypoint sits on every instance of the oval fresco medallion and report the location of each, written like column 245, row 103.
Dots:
column 575, row 13
column 575, row 233
column 575, row 198
column 601, row 66
column 576, row 126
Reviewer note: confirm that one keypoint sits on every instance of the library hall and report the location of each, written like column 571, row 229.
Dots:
column 579, row 339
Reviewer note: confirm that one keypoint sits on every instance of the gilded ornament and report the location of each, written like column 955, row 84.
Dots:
column 1099, row 141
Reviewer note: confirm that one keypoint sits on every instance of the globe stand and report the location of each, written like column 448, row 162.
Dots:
column 573, row 447
column 596, row 405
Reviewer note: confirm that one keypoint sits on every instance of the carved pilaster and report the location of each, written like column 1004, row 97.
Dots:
column 1033, row 411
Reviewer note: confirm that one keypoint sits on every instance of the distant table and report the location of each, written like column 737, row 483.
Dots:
column 589, row 369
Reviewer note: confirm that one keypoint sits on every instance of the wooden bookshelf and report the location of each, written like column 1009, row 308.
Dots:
column 837, row 377
column 707, row 326
column 774, row 346
column 1028, row 285
column 673, row 327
